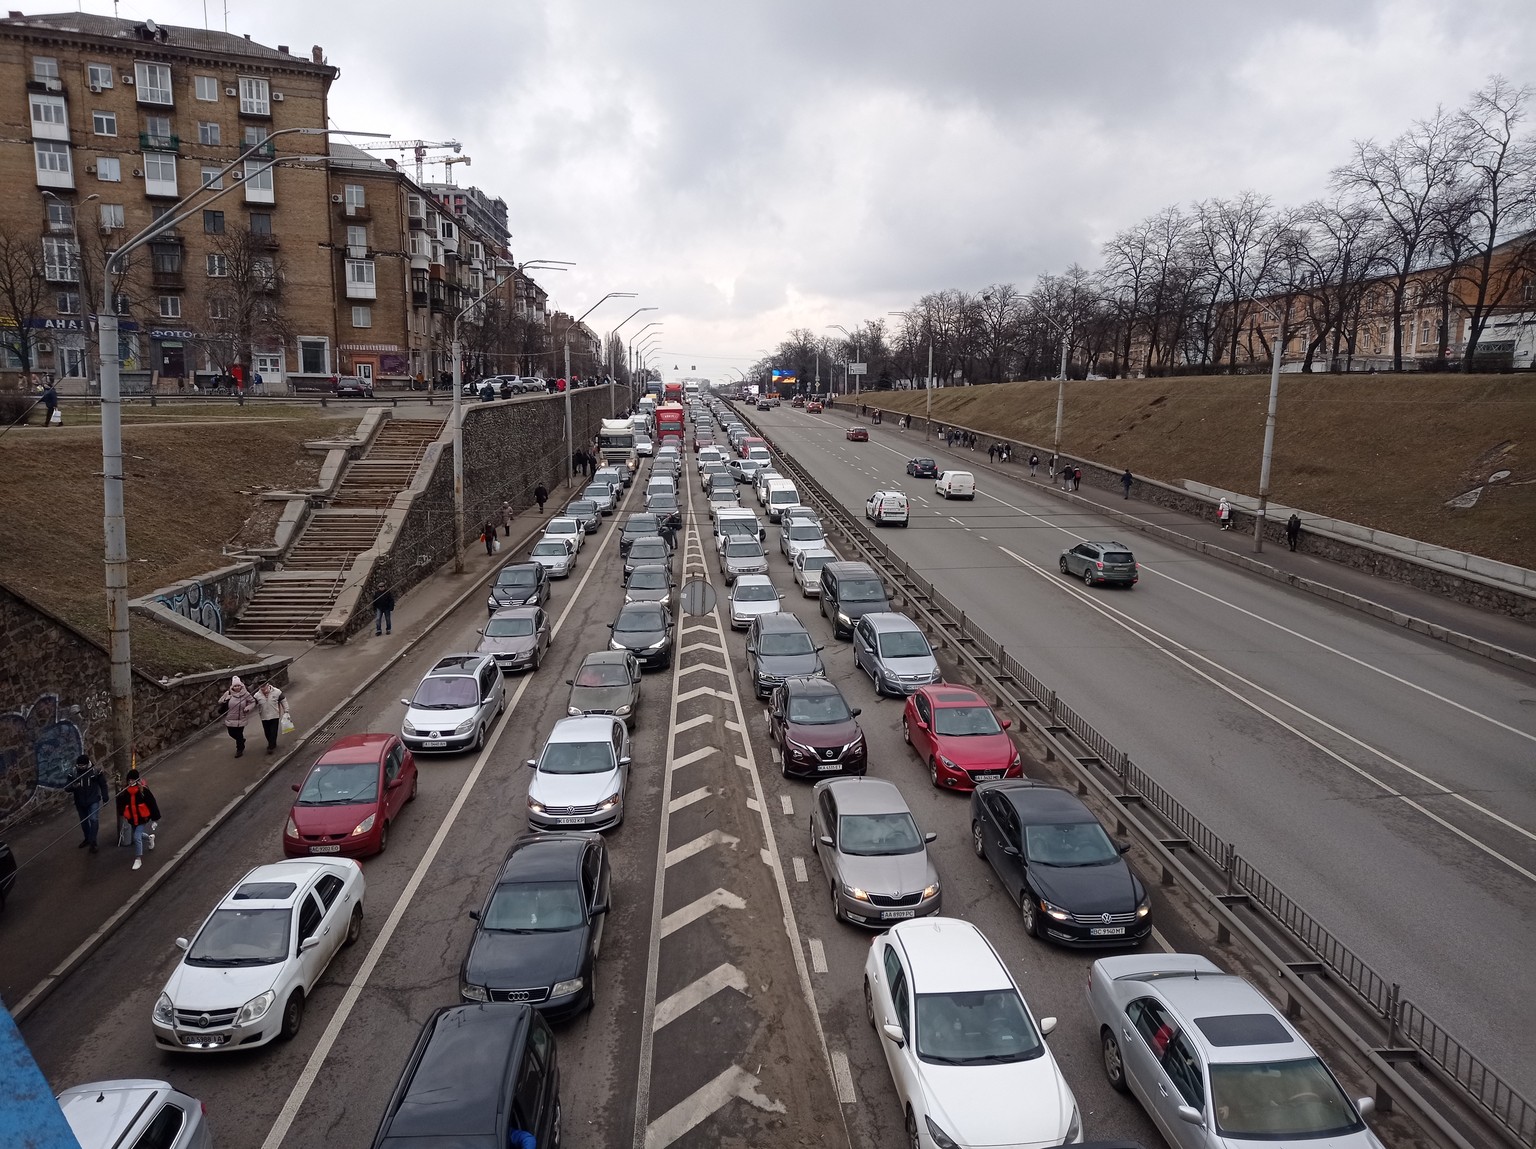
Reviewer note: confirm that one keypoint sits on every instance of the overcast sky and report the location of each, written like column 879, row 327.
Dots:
column 750, row 167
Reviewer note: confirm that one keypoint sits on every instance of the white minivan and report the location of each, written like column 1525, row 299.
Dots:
column 956, row 484
column 781, row 496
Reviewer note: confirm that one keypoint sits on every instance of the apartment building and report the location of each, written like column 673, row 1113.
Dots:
column 108, row 124
column 486, row 213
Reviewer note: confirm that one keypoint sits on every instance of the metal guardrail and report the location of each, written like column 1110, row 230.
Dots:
column 1411, row 1035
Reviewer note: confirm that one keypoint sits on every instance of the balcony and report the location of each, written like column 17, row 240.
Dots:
column 168, row 278
column 418, row 299
column 159, row 143
column 263, row 151
column 264, row 242
column 355, row 212
column 417, row 222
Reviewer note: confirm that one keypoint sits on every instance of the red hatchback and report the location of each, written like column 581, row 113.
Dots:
column 958, row 736
column 857, row 435
column 350, row 797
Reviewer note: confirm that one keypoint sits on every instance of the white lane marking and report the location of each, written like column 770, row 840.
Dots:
column 734, row 1083
column 799, row 867
column 1162, row 942
column 698, row 908
column 787, row 804
column 333, row 1028
column 721, row 977
column 693, row 756
column 752, row 804
column 717, row 647
column 698, row 690
column 685, row 800
column 844, row 1078
column 983, row 538
column 818, row 955
column 1136, row 629
column 699, row 720
column 698, row 846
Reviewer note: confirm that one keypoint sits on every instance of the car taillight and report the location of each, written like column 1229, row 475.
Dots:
column 1100, row 565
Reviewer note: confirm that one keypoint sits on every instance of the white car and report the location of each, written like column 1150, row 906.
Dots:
column 135, row 1112
column 247, row 972
column 969, row 1061
column 800, row 535
column 886, row 507
column 556, row 554
column 580, row 775
column 455, row 704
column 723, row 498
column 751, row 596
column 567, row 527
column 808, row 564
column 708, row 455
column 644, row 445
column 760, row 484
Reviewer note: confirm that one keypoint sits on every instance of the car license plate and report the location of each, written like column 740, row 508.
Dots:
column 1106, row 931
column 891, row 915
column 437, row 745
column 202, row 1040
column 325, row 849
column 824, row 766
column 579, row 821
column 987, row 775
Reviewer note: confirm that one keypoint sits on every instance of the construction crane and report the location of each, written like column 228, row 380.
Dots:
column 448, row 162
column 419, row 148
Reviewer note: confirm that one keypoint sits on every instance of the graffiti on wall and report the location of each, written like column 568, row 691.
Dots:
column 197, row 603
column 38, row 747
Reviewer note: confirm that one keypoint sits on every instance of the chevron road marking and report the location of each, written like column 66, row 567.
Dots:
column 699, row 845
column 734, row 1083
column 721, row 977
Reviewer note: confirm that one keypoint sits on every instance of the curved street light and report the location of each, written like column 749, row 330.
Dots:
column 570, row 443
column 633, row 341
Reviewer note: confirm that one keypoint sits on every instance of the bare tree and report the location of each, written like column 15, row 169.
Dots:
column 247, row 300
column 28, row 273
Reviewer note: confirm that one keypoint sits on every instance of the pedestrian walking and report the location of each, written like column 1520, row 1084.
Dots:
column 1125, row 482
column 1293, row 530
column 992, row 453
column 578, row 462
column 1224, row 513
column 1077, row 478
column 137, row 808
column 506, row 516
column 1034, row 461
column 50, row 404
column 541, row 496
column 1051, row 469
column 238, row 704
column 88, row 787
column 488, row 533
column 384, row 612
column 271, row 705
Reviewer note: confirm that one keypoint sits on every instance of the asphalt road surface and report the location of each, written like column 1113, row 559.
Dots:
column 1385, row 781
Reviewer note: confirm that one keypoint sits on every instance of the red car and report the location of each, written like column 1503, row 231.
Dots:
column 813, row 408
column 956, row 733
column 858, row 434
column 350, row 797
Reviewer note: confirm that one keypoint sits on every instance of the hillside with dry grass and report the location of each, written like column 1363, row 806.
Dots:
column 1386, row 451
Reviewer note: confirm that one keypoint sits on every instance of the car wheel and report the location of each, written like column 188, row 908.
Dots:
column 912, row 1138
column 783, row 762
column 415, row 784
column 1087, row 577
column 1029, row 913
column 869, row 1004
column 1062, row 563
column 933, row 772
column 293, row 1016
column 837, row 914
column 821, row 605
column 384, row 837
column 538, row 658
column 1114, row 1067
column 906, row 735
column 480, row 738
column 976, row 841
column 354, row 927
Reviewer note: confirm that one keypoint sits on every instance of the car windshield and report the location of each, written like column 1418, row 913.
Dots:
column 638, row 622
column 642, row 525
column 648, row 548
column 576, row 758
column 1280, row 1100
column 804, row 531
column 509, row 627
column 552, row 547
column 340, row 784
column 814, row 562
column 234, row 937
column 983, row 1027
column 526, row 907
column 596, row 491
column 1069, row 844
column 644, row 579
column 877, row 835
column 861, row 590
column 744, row 548
column 903, row 644
column 818, row 710
column 755, row 594
column 522, row 576
column 1118, row 557
column 583, row 507
column 962, row 720
column 786, row 642
column 448, row 692
column 603, row 674
column 562, row 527
column 722, row 494
column 924, row 462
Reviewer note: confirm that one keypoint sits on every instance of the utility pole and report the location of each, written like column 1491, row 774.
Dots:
column 570, row 443
column 1269, row 438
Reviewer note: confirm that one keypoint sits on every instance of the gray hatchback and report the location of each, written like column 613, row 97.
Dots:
column 1101, row 564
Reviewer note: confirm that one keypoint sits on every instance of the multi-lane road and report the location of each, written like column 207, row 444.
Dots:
column 1384, row 780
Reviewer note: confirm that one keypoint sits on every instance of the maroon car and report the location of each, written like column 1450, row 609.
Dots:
column 815, row 730
column 351, row 797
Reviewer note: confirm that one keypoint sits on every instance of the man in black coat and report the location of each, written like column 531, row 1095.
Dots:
column 88, row 787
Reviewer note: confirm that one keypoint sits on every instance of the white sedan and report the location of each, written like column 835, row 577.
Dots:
column 556, row 554
column 968, row 1059
column 567, row 527
column 246, row 974
column 751, row 596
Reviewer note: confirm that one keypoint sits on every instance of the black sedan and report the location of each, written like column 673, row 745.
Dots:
column 519, row 584
column 607, row 682
column 538, row 935
column 645, row 630
column 587, row 513
column 650, row 551
column 779, row 647
column 923, row 468
column 666, row 508
column 1071, row 880
column 351, row 387
column 640, row 526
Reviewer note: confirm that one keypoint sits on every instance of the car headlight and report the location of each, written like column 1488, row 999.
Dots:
column 1074, row 1127
column 575, row 710
column 797, row 748
column 255, row 1009
column 621, row 711
column 406, row 728
column 1144, row 907
column 1017, row 760
column 657, row 645
column 464, row 727
column 364, row 826
column 615, row 644
column 844, row 619
column 931, row 891
column 1054, row 911
column 491, row 602
column 940, row 1138
column 609, row 803
column 473, row 992
column 535, row 807
column 947, row 764
column 570, row 985
column 856, row 894
column 165, row 1010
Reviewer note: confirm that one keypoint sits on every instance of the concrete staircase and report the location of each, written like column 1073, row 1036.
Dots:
column 292, row 601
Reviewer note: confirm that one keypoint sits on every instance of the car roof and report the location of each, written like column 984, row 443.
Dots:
column 582, row 728
column 883, row 492
column 459, row 1074
column 270, row 879
column 518, row 612
column 805, row 685
column 345, row 749
column 889, row 620
column 943, row 694
column 850, row 568
column 866, row 796
column 1230, row 1019
column 527, row 568
column 606, row 658
column 101, row 1113
column 544, row 856
column 642, row 608
column 457, row 665
column 1109, row 545
column 1041, row 805
column 947, row 955
column 753, row 580
column 779, row 620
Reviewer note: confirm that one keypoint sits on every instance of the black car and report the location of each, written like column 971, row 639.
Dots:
column 639, row 526
column 815, row 729
column 923, row 468
column 650, row 551
column 607, row 682
column 519, row 584
column 539, row 932
column 480, row 1071
column 7, row 872
column 779, row 647
column 645, row 630
column 1071, row 880
column 666, row 508
column 352, row 387
column 587, row 513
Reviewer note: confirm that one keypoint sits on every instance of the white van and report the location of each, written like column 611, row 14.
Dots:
column 884, row 507
column 781, row 496
column 956, row 484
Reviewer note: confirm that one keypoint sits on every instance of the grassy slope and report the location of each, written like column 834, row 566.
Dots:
column 1383, row 451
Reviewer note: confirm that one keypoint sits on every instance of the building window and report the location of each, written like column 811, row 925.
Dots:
column 111, row 216
column 360, row 280
column 104, row 123
column 165, row 258
column 61, row 262
column 99, row 76
column 159, row 173
column 50, row 118
column 263, row 272
column 157, row 129
column 154, row 83
column 109, row 169
column 213, row 222
column 69, row 303
column 121, row 304
column 261, row 223
column 53, row 168
column 362, row 317
column 218, row 266
column 170, row 307
column 315, row 356
column 208, row 133
column 44, row 69
column 355, row 198
column 212, row 179
column 447, row 230
column 253, row 97
column 416, row 207
column 218, row 307
column 258, row 181
column 206, row 88
column 357, row 242
column 61, row 216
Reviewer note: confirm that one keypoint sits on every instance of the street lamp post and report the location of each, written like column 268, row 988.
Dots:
column 612, row 335
column 114, row 524
column 1269, row 436
column 570, row 442
column 846, row 363
column 635, row 396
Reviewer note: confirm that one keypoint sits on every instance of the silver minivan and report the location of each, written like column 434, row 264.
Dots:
column 455, row 705
column 134, row 1111
column 894, row 652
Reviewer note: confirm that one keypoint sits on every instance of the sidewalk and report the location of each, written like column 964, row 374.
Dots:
column 66, row 897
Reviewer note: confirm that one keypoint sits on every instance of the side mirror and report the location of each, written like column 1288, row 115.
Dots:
column 856, row 711
column 1007, row 723
column 475, row 915
column 182, row 943
column 1010, row 851
column 624, row 761
column 751, row 649
column 1124, row 847
column 405, row 702
column 297, row 787
column 570, row 682
column 395, row 783
column 893, row 1033
column 1365, row 1105
column 610, row 626
column 532, row 764
column 479, row 630
column 599, row 908
column 826, row 839
column 308, row 943
column 931, row 836
column 821, row 648
column 1190, row 1114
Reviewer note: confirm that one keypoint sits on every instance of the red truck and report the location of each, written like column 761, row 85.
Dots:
column 672, row 392
column 669, row 423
